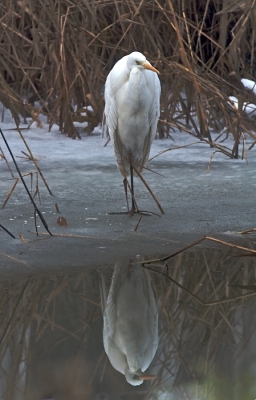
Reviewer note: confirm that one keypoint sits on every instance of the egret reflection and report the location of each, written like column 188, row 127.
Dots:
column 130, row 322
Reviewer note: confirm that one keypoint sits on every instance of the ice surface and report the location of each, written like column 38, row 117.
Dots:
column 90, row 150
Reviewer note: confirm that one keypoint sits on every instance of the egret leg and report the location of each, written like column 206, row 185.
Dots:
column 126, row 196
column 132, row 191
column 135, row 208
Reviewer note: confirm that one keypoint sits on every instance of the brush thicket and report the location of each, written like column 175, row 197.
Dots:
column 57, row 54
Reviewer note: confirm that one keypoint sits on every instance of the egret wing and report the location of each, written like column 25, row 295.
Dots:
column 116, row 79
column 115, row 83
column 116, row 357
column 141, row 348
column 154, row 90
column 154, row 111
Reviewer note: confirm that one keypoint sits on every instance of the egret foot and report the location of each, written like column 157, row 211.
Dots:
column 135, row 209
column 138, row 212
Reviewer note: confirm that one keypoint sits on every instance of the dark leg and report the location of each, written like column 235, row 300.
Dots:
column 134, row 209
column 131, row 212
column 132, row 190
column 126, row 196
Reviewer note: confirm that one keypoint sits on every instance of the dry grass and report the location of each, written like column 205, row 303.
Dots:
column 57, row 54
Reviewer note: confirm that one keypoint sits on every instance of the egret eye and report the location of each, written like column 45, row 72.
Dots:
column 138, row 62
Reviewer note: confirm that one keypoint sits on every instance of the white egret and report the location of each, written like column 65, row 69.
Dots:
column 132, row 109
column 130, row 319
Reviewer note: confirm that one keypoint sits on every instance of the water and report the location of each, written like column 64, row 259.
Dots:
column 52, row 331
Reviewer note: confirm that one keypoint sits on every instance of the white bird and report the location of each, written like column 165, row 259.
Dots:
column 132, row 109
column 130, row 322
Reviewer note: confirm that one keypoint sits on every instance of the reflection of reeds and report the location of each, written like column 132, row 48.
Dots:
column 59, row 53
column 201, row 346
column 51, row 330
column 37, row 318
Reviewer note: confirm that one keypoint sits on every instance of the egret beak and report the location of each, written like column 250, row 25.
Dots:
column 148, row 66
column 147, row 377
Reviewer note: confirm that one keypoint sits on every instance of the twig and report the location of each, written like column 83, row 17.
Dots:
column 5, row 159
column 6, row 230
column 229, row 244
column 173, row 148
column 173, row 254
column 15, row 184
column 34, row 160
column 194, row 296
column 150, row 191
column 196, row 242
column 68, row 235
column 137, row 225
column 247, row 231
column 14, row 259
column 28, row 192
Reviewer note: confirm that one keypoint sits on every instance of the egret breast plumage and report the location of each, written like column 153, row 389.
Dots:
column 132, row 109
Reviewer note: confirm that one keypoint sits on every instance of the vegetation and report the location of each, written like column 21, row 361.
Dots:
column 51, row 330
column 56, row 55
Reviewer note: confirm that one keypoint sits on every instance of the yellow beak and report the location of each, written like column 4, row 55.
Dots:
column 147, row 377
column 148, row 66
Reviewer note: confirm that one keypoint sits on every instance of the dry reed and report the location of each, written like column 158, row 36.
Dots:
column 55, row 57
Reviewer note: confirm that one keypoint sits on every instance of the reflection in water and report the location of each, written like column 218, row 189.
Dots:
column 51, row 332
column 130, row 332
column 13, row 373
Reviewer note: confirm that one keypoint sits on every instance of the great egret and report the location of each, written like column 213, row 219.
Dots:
column 130, row 319
column 132, row 109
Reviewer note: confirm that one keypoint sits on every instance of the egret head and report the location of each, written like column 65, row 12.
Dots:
column 137, row 378
column 137, row 59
